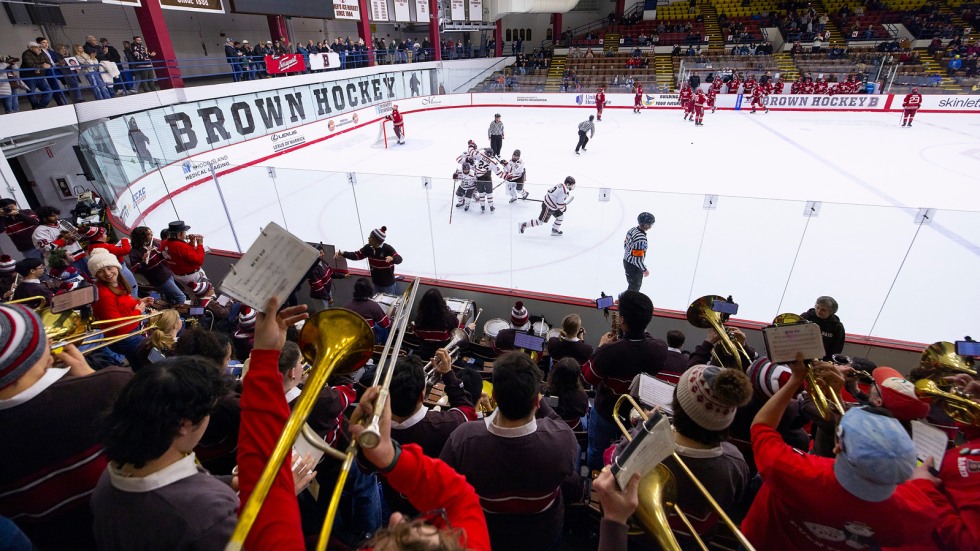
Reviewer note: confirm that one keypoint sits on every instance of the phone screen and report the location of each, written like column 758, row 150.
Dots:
column 197, row 311
column 968, row 348
column 725, row 307
column 604, row 302
column 528, row 342
column 155, row 355
column 73, row 299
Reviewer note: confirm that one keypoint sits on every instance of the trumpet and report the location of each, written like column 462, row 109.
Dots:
column 454, row 348
column 658, row 491
column 957, row 404
column 826, row 400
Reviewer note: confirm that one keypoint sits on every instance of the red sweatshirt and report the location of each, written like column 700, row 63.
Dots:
column 121, row 251
column 111, row 305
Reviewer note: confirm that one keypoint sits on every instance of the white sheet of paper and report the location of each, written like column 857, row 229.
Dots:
column 654, row 392
column 929, row 442
column 649, row 447
column 272, row 266
column 302, row 446
column 783, row 342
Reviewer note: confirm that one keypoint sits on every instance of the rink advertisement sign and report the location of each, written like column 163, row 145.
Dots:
column 826, row 102
column 289, row 139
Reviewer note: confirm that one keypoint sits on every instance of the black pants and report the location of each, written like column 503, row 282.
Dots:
column 583, row 139
column 634, row 277
column 496, row 143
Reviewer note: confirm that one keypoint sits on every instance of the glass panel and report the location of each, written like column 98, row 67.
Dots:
column 331, row 218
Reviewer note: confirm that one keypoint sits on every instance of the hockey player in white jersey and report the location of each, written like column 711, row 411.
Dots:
column 465, row 184
column 513, row 172
column 468, row 156
column 484, row 179
column 555, row 203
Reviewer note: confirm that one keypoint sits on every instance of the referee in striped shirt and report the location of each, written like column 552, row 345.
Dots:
column 584, row 128
column 635, row 251
column 496, row 135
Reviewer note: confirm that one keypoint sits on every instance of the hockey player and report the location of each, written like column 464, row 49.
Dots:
column 910, row 105
column 821, row 86
column 513, row 172
column 712, row 94
column 716, row 84
column 555, row 203
column 638, row 98
column 808, row 86
column 757, row 95
column 396, row 118
column 699, row 100
column 734, row 84
column 797, row 86
column 686, row 97
column 777, row 88
column 465, row 184
column 749, row 86
column 484, row 179
column 600, row 103
column 468, row 156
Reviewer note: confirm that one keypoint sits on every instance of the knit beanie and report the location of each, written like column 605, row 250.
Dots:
column 22, row 342
column 768, row 377
column 246, row 319
column 99, row 259
column 518, row 315
column 70, row 279
column 710, row 395
column 380, row 234
column 7, row 264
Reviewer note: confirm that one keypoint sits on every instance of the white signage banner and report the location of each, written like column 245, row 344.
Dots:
column 476, row 10
column 422, row 11
column 346, row 9
column 379, row 10
column 402, row 11
column 326, row 60
column 458, row 10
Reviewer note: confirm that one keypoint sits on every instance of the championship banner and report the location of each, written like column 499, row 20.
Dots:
column 209, row 6
column 289, row 63
column 379, row 10
column 327, row 60
column 422, row 11
column 476, row 10
column 458, row 10
column 133, row 3
column 346, row 9
column 402, row 13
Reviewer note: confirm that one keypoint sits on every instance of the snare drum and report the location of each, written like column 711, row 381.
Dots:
column 540, row 328
column 390, row 303
column 494, row 326
column 464, row 309
column 554, row 333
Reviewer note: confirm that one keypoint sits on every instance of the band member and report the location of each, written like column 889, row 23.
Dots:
column 19, row 225
column 50, row 235
column 149, row 262
column 381, row 257
column 638, row 98
column 555, row 203
column 600, row 102
column 184, row 254
column 399, row 123
column 757, row 95
column 97, row 237
column 514, row 174
column 686, row 96
column 910, row 105
column 465, row 184
column 363, row 303
column 699, row 100
column 434, row 323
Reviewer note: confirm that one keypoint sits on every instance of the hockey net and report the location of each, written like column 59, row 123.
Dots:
column 384, row 130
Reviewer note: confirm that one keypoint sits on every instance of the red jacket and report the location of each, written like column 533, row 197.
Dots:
column 121, row 251
column 182, row 258
column 110, row 305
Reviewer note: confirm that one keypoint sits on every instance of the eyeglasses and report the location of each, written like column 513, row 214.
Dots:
column 436, row 517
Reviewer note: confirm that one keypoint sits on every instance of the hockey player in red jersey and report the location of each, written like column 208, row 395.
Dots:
column 911, row 104
column 808, row 86
column 797, row 86
column 638, row 98
column 820, row 87
column 749, row 86
column 600, row 102
column 396, row 118
column 711, row 99
column 716, row 84
column 686, row 95
column 757, row 96
column 699, row 100
column 777, row 88
column 734, row 84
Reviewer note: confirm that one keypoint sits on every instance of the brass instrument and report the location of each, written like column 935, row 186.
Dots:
column 825, row 398
column 25, row 300
column 488, row 390
column 940, row 360
column 700, row 314
column 454, row 347
column 658, row 491
column 957, row 404
column 334, row 341
column 614, row 327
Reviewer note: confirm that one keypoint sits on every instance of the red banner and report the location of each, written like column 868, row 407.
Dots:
column 289, row 63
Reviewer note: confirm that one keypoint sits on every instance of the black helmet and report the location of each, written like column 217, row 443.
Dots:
column 471, row 145
column 488, row 152
column 570, row 182
column 591, row 117
column 466, row 167
column 646, row 218
column 517, row 153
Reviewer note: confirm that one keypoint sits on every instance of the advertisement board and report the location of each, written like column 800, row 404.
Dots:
column 289, row 63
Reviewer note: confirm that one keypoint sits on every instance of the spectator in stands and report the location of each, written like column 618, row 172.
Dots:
column 19, row 226
column 233, row 56
column 11, row 86
column 68, row 72
column 525, row 509
column 33, row 67
column 570, row 341
column 184, row 253
column 824, row 314
column 144, row 76
column 90, row 67
column 677, row 360
column 115, row 301
column 955, row 65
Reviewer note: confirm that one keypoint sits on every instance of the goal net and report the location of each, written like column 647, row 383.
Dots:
column 383, row 131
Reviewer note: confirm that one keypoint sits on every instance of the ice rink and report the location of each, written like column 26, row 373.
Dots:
column 870, row 179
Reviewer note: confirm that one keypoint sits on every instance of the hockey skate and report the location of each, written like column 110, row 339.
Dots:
column 713, row 109
column 466, row 208
column 767, row 109
column 556, row 233
column 522, row 226
column 492, row 208
column 576, row 152
column 460, row 203
column 903, row 123
column 512, row 199
column 524, row 194
column 483, row 208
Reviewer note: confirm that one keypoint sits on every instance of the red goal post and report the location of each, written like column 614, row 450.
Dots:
column 383, row 132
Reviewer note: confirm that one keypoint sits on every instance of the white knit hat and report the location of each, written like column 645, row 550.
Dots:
column 710, row 395
column 101, row 258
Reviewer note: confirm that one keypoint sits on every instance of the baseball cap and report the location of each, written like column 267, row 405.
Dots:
column 898, row 395
column 876, row 455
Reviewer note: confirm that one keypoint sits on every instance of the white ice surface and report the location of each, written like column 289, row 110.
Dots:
column 892, row 277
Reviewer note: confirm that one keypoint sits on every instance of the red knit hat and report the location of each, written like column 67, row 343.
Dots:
column 518, row 315
column 898, row 395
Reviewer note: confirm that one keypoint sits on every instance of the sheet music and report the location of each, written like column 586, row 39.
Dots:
column 272, row 266
column 783, row 342
column 302, row 446
column 653, row 443
column 654, row 392
column 929, row 442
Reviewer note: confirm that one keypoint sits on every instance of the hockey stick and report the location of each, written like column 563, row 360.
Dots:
column 452, row 202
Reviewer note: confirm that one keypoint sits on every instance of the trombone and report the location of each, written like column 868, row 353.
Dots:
column 824, row 398
column 333, row 341
column 700, row 314
column 658, row 491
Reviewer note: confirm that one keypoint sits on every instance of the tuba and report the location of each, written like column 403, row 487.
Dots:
column 700, row 314
column 940, row 360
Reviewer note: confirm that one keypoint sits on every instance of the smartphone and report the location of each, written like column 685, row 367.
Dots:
column 724, row 307
column 604, row 302
column 528, row 342
column 155, row 355
column 197, row 311
column 155, row 295
column 963, row 348
column 74, row 299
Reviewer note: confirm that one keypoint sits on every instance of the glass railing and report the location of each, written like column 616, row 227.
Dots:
column 895, row 276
